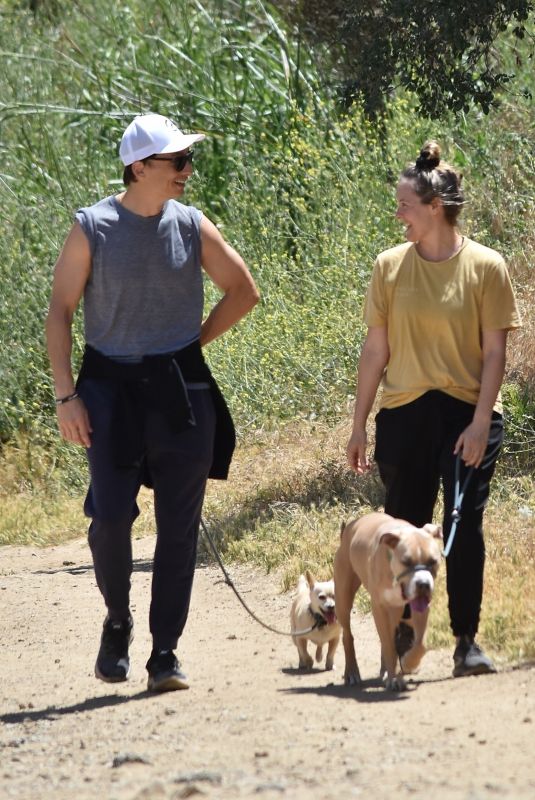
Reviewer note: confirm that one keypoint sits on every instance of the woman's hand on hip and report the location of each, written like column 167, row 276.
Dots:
column 356, row 452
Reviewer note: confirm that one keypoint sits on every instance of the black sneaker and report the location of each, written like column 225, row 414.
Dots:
column 404, row 638
column 469, row 659
column 165, row 674
column 113, row 664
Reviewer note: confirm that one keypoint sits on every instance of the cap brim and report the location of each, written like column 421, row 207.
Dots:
column 182, row 142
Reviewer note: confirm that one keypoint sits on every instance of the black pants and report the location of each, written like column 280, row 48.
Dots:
column 414, row 453
column 179, row 464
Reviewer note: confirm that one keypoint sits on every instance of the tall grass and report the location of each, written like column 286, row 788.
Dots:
column 306, row 195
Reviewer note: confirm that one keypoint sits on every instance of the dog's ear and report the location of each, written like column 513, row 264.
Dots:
column 434, row 530
column 390, row 539
column 311, row 580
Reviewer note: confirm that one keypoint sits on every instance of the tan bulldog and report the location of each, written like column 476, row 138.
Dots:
column 397, row 563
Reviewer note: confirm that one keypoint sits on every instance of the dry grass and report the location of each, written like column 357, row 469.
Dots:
column 33, row 518
column 34, row 510
column 508, row 617
column 521, row 349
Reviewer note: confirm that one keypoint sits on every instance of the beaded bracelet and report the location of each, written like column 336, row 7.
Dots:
column 61, row 400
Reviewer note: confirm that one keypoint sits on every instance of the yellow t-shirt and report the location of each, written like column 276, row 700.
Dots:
column 435, row 313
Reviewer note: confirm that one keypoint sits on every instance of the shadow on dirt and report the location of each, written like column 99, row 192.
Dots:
column 53, row 713
column 139, row 565
column 369, row 691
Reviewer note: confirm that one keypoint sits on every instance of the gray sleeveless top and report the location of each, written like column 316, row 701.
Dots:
column 144, row 295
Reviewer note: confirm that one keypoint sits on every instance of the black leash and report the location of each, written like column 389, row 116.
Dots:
column 317, row 623
column 457, row 502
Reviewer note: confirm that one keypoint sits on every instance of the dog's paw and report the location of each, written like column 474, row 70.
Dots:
column 410, row 661
column 352, row 678
column 396, row 684
column 306, row 664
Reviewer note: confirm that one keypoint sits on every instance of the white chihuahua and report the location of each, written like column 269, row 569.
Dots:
column 313, row 607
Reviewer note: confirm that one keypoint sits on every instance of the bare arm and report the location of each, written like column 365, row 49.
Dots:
column 373, row 360
column 473, row 440
column 228, row 271
column 70, row 277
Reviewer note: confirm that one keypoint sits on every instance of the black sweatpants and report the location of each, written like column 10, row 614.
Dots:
column 414, row 453
column 179, row 464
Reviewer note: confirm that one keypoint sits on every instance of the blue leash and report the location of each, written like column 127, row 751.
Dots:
column 457, row 502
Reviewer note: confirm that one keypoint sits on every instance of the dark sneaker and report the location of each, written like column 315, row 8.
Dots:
column 469, row 659
column 113, row 664
column 165, row 674
column 404, row 638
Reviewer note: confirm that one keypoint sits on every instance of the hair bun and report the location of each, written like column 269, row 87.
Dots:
column 429, row 157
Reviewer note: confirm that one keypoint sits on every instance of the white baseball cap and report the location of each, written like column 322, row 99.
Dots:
column 152, row 134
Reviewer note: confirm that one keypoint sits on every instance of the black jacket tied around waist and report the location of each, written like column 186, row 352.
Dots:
column 159, row 382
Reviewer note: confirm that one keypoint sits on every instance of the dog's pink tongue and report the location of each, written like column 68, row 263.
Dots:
column 330, row 616
column 419, row 604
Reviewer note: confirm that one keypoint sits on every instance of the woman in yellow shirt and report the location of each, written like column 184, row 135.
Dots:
column 438, row 310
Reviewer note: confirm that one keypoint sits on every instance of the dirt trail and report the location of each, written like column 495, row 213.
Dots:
column 251, row 725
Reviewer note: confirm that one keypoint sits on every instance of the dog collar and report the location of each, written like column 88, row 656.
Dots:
column 319, row 620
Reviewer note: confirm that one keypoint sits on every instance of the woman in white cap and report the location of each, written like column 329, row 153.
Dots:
column 438, row 311
column 145, row 404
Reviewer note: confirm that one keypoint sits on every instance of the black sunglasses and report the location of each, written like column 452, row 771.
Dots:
column 179, row 161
